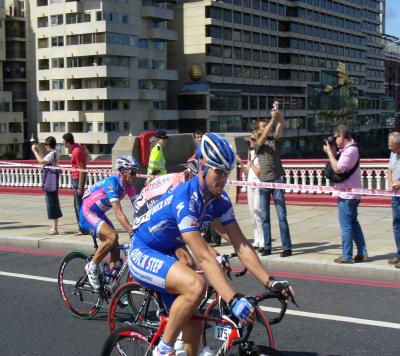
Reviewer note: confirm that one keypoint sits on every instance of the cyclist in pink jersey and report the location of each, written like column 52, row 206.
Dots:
column 97, row 200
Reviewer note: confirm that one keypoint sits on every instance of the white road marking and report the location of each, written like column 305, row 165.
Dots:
column 346, row 319
column 37, row 278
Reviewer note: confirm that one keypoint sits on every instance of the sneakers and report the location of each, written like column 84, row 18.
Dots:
column 156, row 352
column 93, row 276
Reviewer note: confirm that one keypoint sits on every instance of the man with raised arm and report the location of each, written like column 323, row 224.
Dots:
column 175, row 221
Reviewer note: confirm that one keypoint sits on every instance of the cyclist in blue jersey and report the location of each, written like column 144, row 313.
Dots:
column 175, row 221
column 97, row 200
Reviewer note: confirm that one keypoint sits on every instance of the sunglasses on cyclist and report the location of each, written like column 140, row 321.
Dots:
column 221, row 172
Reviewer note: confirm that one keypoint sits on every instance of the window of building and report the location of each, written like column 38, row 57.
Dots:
column 143, row 63
column 237, row 35
column 213, row 31
column 57, row 62
column 57, row 41
column 58, row 105
column 227, row 52
column 58, row 126
column 237, row 17
column 237, row 52
column 89, row 126
column 111, row 126
column 214, row 69
column 237, row 71
column 43, row 64
column 246, row 19
column 246, row 36
column 227, row 15
column 126, row 125
column 56, row 20
column 42, row 22
column 214, row 50
column 227, row 70
column 227, row 34
column 57, row 84
column 256, row 38
column 100, row 126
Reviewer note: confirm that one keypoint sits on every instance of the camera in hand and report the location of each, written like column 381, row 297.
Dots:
column 331, row 141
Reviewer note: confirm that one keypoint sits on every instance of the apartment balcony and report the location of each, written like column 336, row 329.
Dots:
column 153, row 12
column 163, row 74
column 85, row 27
column 102, row 94
column 11, row 138
column 60, row 8
column 109, row 116
column 88, row 138
column 62, row 116
column 160, row 115
column 150, row 94
column 161, row 34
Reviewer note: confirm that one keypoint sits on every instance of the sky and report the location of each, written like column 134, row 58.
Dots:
column 393, row 17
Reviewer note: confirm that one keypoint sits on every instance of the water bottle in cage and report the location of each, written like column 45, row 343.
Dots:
column 106, row 273
column 116, row 269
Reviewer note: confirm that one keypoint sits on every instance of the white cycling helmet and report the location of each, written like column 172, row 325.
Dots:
column 217, row 152
column 126, row 163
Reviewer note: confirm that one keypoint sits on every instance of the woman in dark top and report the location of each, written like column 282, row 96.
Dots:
column 52, row 201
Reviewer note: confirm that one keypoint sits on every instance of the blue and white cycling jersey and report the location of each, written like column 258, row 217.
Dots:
column 180, row 211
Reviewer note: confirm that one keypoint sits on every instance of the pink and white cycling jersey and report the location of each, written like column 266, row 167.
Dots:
column 99, row 196
column 150, row 194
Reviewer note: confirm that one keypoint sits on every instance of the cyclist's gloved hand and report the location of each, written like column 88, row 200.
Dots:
column 240, row 307
column 280, row 287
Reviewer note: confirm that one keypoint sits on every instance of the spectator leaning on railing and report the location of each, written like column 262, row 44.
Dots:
column 344, row 158
column 268, row 152
column 393, row 177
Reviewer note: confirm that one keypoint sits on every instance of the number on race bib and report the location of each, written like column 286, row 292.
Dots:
column 222, row 332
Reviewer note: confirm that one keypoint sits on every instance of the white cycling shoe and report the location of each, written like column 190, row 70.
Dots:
column 93, row 276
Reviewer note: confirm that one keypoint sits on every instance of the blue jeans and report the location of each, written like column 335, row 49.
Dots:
column 396, row 222
column 280, row 206
column 350, row 228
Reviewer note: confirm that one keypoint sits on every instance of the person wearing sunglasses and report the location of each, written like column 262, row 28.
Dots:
column 176, row 221
column 102, row 196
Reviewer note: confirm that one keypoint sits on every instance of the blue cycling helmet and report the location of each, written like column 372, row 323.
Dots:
column 217, row 152
column 126, row 163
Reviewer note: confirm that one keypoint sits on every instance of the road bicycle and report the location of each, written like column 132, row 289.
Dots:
column 231, row 338
column 143, row 307
column 78, row 295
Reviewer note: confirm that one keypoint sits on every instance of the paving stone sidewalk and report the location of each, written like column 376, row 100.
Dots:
column 315, row 235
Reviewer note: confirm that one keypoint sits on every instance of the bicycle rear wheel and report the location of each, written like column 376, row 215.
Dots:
column 128, row 340
column 213, row 335
column 76, row 292
column 133, row 304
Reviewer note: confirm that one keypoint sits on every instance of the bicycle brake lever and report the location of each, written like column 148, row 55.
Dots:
column 291, row 296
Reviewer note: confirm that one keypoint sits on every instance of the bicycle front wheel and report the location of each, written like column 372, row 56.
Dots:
column 76, row 292
column 128, row 340
column 214, row 335
column 133, row 304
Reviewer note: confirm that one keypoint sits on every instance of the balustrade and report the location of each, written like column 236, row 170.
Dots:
column 31, row 177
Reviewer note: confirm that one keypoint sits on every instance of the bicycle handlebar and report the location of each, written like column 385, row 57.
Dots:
column 254, row 300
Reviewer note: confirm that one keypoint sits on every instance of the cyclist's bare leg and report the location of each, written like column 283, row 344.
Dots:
column 190, row 288
column 109, row 238
column 192, row 336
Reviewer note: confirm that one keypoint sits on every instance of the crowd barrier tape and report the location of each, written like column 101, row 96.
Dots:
column 254, row 184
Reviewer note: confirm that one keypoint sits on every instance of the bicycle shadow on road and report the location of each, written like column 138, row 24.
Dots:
column 386, row 256
column 9, row 222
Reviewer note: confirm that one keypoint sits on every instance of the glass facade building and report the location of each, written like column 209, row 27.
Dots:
column 253, row 52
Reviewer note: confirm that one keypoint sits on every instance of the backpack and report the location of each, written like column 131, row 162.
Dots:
column 339, row 177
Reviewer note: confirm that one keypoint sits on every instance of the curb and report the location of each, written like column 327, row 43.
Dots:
column 288, row 264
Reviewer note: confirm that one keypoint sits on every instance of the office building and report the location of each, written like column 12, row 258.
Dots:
column 392, row 75
column 321, row 59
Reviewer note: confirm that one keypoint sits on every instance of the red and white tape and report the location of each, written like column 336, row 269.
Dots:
column 286, row 186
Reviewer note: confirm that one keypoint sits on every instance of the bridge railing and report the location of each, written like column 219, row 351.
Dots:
column 311, row 172
column 21, row 175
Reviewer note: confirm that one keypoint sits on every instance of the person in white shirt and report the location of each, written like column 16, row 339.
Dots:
column 252, row 171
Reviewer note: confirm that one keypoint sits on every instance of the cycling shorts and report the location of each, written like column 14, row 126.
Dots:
column 90, row 222
column 150, row 267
